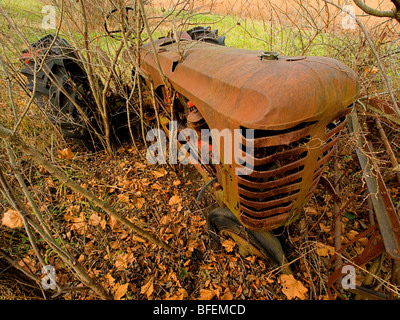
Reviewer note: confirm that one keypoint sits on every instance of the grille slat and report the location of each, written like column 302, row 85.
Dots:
column 275, row 171
column 258, row 205
column 259, row 161
column 338, row 127
column 270, row 192
column 266, row 213
column 269, row 184
column 264, row 138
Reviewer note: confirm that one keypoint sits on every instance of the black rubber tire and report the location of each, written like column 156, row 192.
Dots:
column 63, row 86
column 221, row 221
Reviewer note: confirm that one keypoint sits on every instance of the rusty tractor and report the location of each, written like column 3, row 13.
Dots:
column 285, row 114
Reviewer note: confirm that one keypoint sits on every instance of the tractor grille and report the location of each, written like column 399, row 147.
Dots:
column 267, row 195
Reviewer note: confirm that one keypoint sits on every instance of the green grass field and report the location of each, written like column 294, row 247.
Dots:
column 27, row 16
column 240, row 32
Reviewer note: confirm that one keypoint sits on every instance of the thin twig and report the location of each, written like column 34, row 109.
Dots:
column 37, row 70
column 378, row 60
column 146, row 25
column 14, row 139
column 388, row 148
column 66, row 257
column 10, row 89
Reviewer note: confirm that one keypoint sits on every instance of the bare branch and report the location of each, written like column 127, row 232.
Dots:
column 26, row 217
column 378, row 60
column 375, row 12
column 15, row 139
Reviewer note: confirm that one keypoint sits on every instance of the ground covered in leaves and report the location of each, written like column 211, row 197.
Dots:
column 162, row 200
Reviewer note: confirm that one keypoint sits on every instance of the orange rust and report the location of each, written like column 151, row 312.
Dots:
column 296, row 107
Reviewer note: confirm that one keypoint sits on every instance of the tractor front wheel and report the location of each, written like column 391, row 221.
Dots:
column 222, row 223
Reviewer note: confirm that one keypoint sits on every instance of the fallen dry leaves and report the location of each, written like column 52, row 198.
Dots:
column 180, row 294
column 229, row 245
column 291, row 287
column 66, row 154
column 122, row 261
column 148, row 288
column 206, row 294
column 159, row 173
column 139, row 203
column 121, row 291
column 12, row 219
column 174, row 200
column 324, row 250
column 164, row 202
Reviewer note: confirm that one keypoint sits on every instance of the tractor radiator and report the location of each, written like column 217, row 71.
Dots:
column 277, row 183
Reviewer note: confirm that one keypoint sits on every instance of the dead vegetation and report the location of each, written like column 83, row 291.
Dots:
column 140, row 233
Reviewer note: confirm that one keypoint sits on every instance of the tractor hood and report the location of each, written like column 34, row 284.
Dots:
column 251, row 91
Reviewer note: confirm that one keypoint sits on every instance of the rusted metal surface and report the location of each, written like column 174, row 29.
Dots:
column 237, row 86
column 385, row 212
column 296, row 107
column 386, row 106
column 373, row 249
column 287, row 173
column 383, row 236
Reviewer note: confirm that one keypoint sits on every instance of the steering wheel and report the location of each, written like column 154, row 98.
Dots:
column 113, row 33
